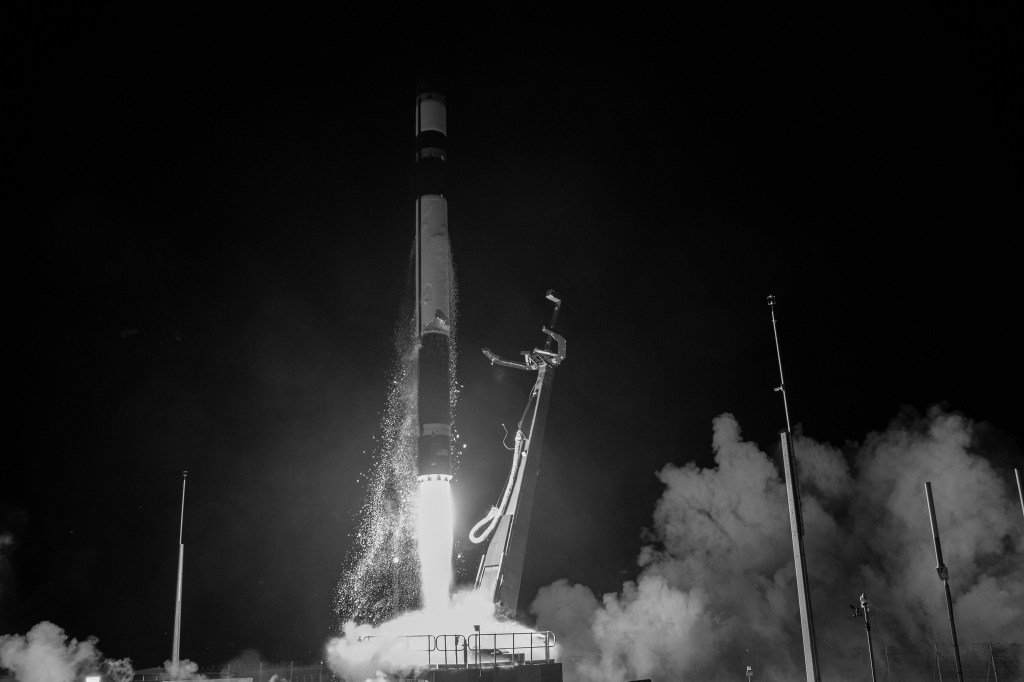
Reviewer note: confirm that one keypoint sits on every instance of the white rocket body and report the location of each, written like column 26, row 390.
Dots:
column 433, row 285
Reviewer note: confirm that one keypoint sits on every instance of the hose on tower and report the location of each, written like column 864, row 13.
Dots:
column 489, row 522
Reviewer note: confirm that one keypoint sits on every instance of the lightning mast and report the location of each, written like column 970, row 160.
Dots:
column 501, row 568
column 1020, row 489
column 181, row 563
column 796, row 523
column 940, row 568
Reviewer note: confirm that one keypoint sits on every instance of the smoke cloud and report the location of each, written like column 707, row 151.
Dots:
column 716, row 588
column 45, row 654
column 185, row 670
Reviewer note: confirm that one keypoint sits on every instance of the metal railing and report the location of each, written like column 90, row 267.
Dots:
column 512, row 648
column 480, row 650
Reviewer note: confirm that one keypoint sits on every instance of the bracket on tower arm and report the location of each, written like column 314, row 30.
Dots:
column 532, row 360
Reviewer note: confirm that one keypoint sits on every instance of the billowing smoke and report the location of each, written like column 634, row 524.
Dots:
column 185, row 670
column 716, row 588
column 45, row 654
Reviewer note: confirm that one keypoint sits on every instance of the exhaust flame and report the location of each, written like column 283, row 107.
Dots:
column 434, row 524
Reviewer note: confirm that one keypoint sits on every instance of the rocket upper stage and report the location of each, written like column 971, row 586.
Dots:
column 431, row 138
column 433, row 278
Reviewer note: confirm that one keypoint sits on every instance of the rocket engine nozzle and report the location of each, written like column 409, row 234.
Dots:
column 434, row 462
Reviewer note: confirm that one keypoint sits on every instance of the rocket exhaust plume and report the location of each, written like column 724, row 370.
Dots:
column 434, row 534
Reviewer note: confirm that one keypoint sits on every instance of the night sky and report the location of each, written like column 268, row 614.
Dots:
column 209, row 256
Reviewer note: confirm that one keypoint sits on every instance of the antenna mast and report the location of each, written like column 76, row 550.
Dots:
column 796, row 524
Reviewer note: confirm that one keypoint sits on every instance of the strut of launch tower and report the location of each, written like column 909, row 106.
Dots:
column 508, row 523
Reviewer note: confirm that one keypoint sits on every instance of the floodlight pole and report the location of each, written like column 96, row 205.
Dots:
column 863, row 610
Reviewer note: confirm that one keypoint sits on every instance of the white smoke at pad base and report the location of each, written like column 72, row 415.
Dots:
column 185, row 670
column 45, row 654
column 400, row 646
column 716, row 588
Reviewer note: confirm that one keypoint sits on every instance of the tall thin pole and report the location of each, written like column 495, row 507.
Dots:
column 778, row 355
column 181, row 563
column 865, row 608
column 796, row 525
column 1020, row 489
column 944, row 577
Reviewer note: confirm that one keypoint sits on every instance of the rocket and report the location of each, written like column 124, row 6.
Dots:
column 433, row 277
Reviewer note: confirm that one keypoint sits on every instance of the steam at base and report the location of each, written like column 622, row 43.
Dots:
column 428, row 637
column 44, row 654
column 449, row 629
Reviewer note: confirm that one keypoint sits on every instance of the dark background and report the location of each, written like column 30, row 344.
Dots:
column 211, row 220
